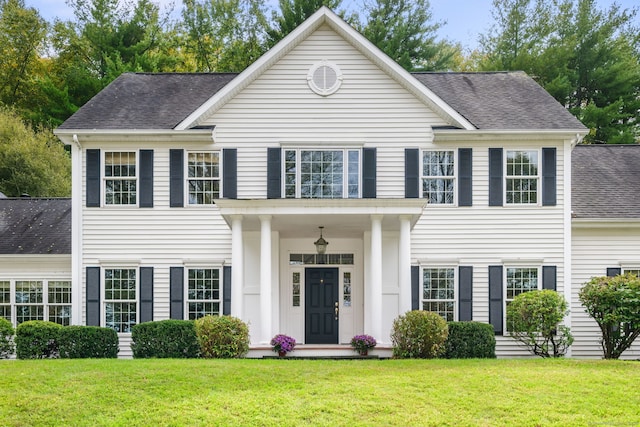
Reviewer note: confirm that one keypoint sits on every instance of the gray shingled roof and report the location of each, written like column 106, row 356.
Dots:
column 499, row 101
column 147, row 101
column 35, row 226
column 606, row 181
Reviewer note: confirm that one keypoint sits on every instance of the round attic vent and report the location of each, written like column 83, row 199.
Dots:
column 324, row 78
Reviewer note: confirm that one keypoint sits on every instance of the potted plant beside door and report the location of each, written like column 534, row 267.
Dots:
column 362, row 344
column 282, row 344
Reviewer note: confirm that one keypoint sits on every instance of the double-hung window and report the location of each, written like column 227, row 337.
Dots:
column 120, row 298
column 203, row 177
column 522, row 177
column 439, row 291
column 120, row 179
column 438, row 176
column 321, row 174
column 203, row 292
column 520, row 280
column 23, row 300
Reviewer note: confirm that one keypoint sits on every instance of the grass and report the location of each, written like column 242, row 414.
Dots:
column 532, row 392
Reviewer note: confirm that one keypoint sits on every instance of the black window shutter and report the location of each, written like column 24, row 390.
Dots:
column 230, row 173
column 274, row 173
column 226, row 290
column 176, row 293
column 176, row 178
column 465, row 182
column 495, row 298
column 549, row 277
column 411, row 173
column 495, row 177
column 415, row 287
column 146, row 179
column 93, row 179
column 465, row 290
column 369, row 173
column 549, row 176
column 146, row 294
column 93, row 296
column 613, row 271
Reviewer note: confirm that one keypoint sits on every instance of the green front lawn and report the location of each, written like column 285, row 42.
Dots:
column 246, row 392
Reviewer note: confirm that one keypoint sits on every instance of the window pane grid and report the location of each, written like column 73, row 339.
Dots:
column 522, row 177
column 203, row 170
column 521, row 280
column 59, row 292
column 60, row 314
column 346, row 289
column 302, row 259
column 29, row 312
column 295, row 279
column 438, row 291
column 321, row 174
column 438, row 175
column 5, row 292
column 120, row 297
column 121, row 183
column 120, row 316
column 29, row 292
column 203, row 292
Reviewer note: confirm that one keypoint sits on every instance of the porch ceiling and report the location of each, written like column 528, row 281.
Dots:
column 341, row 217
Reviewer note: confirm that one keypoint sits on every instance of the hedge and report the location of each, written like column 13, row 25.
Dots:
column 165, row 339
column 469, row 340
column 82, row 342
column 6, row 338
column 37, row 339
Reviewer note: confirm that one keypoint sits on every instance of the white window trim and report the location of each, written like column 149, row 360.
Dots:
column 103, row 160
column 453, row 177
column 186, row 299
column 103, row 291
column 538, row 178
column 45, row 296
column 186, row 178
column 345, row 170
column 456, row 286
column 537, row 267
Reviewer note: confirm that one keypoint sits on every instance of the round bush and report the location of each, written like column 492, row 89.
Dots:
column 222, row 336
column 83, row 342
column 469, row 340
column 165, row 339
column 419, row 334
column 6, row 338
column 37, row 339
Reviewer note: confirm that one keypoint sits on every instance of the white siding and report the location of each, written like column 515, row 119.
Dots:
column 370, row 108
column 595, row 249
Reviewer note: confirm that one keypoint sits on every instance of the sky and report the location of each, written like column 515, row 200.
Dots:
column 465, row 19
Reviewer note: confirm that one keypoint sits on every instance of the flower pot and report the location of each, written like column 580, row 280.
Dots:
column 363, row 352
column 282, row 353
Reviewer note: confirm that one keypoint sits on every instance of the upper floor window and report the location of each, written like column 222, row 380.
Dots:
column 203, row 177
column 438, row 176
column 322, row 174
column 203, row 292
column 522, row 177
column 439, row 291
column 120, row 178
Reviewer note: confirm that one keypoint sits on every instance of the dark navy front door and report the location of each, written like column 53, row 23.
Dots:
column 321, row 299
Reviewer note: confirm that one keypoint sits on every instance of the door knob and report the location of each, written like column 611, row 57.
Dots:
column 337, row 310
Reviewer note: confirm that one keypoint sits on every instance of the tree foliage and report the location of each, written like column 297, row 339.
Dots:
column 31, row 162
column 293, row 13
column 533, row 319
column 614, row 303
column 406, row 31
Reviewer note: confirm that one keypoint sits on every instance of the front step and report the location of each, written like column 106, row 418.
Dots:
column 321, row 351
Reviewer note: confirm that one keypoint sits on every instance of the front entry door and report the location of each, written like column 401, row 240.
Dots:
column 321, row 299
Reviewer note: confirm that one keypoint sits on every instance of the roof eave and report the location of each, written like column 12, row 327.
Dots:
column 576, row 135
column 603, row 222
column 193, row 135
column 325, row 16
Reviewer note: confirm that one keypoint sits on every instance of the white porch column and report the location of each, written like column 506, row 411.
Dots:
column 265, row 279
column 237, row 267
column 375, row 280
column 404, row 265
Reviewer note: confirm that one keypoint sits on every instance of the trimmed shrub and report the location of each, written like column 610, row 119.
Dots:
column 6, row 338
column 222, row 336
column 37, row 339
column 533, row 320
column 165, row 339
column 470, row 340
column 82, row 342
column 419, row 334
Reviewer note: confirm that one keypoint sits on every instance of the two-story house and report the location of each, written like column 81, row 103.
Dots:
column 200, row 194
